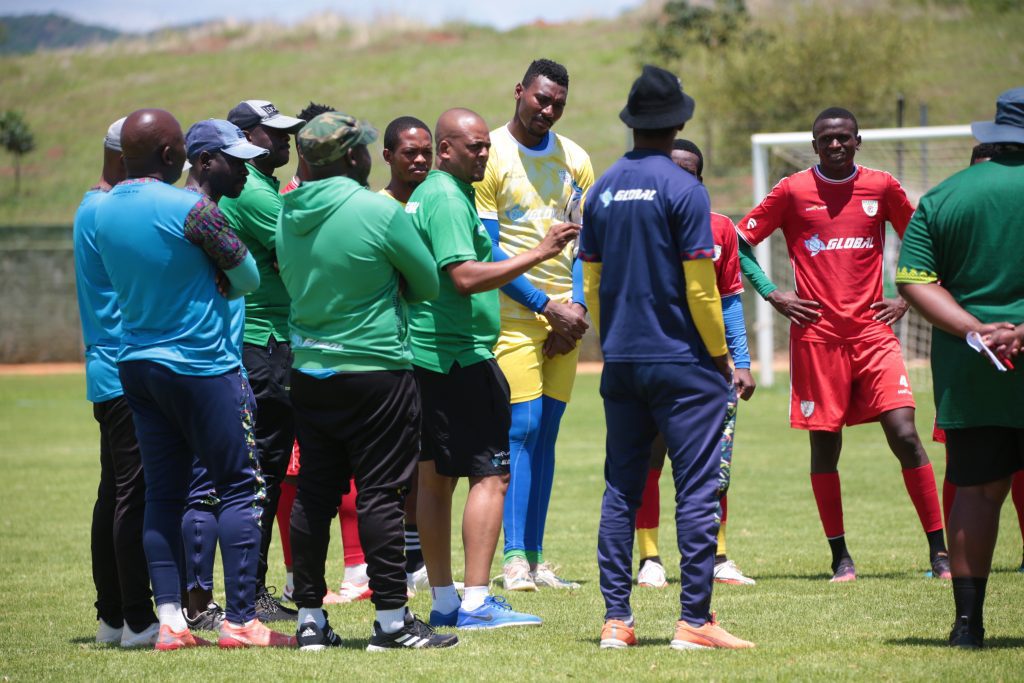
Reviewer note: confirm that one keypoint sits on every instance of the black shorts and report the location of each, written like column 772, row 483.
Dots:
column 466, row 419
column 980, row 455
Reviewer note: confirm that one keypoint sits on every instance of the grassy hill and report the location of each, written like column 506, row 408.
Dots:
column 30, row 32
column 69, row 98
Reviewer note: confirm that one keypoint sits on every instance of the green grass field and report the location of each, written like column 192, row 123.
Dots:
column 890, row 625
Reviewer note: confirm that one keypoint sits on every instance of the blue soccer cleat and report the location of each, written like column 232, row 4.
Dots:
column 494, row 613
column 444, row 618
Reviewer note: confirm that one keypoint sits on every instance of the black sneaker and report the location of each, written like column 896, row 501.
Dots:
column 940, row 566
column 209, row 619
column 966, row 637
column 269, row 608
column 312, row 637
column 415, row 634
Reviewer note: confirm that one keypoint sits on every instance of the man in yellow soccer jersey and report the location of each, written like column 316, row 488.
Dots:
column 535, row 179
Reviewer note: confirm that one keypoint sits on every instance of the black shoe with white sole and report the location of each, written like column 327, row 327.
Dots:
column 414, row 635
column 269, row 608
column 313, row 637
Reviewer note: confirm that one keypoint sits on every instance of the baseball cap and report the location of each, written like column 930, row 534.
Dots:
column 112, row 140
column 218, row 135
column 1008, row 125
column 251, row 113
column 657, row 101
column 328, row 136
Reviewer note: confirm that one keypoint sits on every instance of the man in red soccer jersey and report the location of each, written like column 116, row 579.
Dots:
column 845, row 361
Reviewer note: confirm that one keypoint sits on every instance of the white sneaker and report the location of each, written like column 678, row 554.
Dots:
column 288, row 593
column 651, row 575
column 417, row 581
column 516, row 575
column 107, row 634
column 350, row 591
column 728, row 572
column 146, row 638
column 544, row 577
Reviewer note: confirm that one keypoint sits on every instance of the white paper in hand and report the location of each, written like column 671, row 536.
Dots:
column 975, row 342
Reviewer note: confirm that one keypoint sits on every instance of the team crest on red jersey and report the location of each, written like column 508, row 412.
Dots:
column 806, row 408
column 870, row 206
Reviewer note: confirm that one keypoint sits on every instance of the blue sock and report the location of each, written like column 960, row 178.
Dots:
column 543, row 476
column 522, row 443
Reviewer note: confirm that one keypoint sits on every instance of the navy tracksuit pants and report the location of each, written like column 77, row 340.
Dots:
column 686, row 403
column 177, row 416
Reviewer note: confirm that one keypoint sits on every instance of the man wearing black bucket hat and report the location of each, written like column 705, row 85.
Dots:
column 965, row 235
column 649, row 280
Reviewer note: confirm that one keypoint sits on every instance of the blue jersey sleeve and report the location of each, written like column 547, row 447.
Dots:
column 736, row 330
column 519, row 290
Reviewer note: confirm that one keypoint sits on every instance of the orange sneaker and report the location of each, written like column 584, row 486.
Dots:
column 616, row 634
column 710, row 635
column 254, row 634
column 177, row 640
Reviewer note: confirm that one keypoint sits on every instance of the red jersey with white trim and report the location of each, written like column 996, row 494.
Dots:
column 727, row 255
column 835, row 232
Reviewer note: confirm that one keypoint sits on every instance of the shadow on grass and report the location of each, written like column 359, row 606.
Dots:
column 860, row 576
column 990, row 643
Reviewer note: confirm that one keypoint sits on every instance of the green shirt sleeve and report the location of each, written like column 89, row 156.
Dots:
column 917, row 254
column 752, row 269
column 406, row 251
column 254, row 216
column 449, row 224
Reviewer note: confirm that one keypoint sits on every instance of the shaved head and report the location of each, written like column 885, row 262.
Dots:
column 153, row 145
column 463, row 144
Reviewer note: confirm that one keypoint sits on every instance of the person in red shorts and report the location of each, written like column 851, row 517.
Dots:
column 845, row 363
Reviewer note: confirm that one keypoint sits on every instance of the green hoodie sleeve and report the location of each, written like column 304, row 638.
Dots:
column 407, row 252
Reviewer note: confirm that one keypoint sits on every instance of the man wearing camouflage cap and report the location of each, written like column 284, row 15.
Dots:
column 351, row 260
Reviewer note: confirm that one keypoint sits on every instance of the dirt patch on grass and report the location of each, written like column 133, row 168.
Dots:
column 41, row 369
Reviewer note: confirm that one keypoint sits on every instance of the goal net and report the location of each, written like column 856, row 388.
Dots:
column 919, row 158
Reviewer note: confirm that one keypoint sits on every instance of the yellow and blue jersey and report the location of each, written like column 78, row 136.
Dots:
column 527, row 190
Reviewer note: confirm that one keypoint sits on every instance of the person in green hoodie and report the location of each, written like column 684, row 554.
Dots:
column 351, row 261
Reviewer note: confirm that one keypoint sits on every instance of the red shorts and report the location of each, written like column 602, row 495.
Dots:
column 293, row 462
column 938, row 433
column 837, row 385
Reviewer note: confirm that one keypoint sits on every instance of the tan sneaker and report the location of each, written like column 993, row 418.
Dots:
column 617, row 635
column 544, row 577
column 516, row 575
column 710, row 635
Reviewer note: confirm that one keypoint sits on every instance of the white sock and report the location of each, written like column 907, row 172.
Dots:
column 314, row 614
column 446, row 598
column 356, row 573
column 474, row 598
column 289, row 581
column 391, row 620
column 170, row 614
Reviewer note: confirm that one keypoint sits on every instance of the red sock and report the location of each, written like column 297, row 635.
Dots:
column 920, row 483
column 284, row 520
column 829, row 497
column 1018, row 499
column 650, row 505
column 350, row 527
column 725, row 507
column 948, row 496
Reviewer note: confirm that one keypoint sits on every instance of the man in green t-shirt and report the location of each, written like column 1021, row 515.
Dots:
column 466, row 411
column 350, row 261
column 266, row 353
column 960, row 266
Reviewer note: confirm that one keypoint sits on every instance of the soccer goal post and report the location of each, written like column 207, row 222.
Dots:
column 919, row 158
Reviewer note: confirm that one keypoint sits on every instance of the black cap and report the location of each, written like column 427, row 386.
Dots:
column 657, row 101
